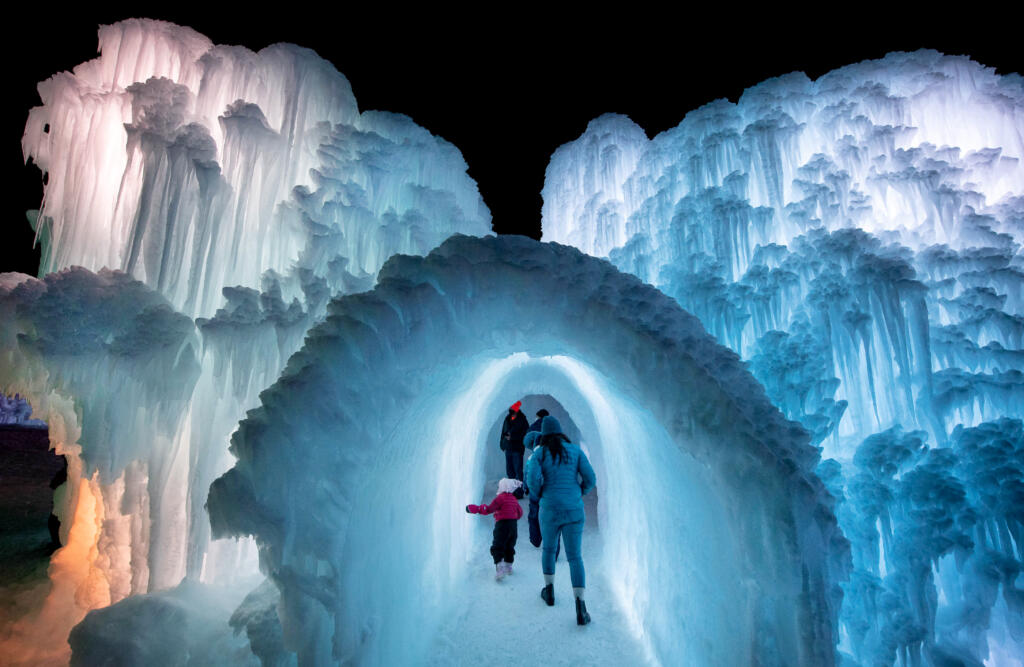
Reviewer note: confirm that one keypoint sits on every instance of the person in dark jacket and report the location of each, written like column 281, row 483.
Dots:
column 512, row 431
column 541, row 414
column 561, row 475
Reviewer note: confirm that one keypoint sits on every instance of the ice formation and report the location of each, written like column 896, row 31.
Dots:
column 741, row 566
column 202, row 205
column 195, row 167
column 857, row 239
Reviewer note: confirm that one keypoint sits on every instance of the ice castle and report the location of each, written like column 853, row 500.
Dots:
column 790, row 331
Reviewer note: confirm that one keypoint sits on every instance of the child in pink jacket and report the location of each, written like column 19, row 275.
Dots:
column 507, row 512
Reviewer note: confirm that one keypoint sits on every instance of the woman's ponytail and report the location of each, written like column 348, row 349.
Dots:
column 553, row 443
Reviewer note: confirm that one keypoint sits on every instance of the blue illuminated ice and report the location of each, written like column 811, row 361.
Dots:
column 233, row 252
column 704, row 485
column 858, row 240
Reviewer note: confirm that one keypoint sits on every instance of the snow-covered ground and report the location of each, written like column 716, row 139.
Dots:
column 506, row 622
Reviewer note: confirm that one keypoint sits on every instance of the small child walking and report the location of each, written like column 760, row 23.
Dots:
column 507, row 512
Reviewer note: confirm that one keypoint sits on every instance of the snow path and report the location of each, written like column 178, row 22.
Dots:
column 506, row 622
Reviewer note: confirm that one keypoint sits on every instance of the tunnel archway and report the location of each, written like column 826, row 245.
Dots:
column 735, row 568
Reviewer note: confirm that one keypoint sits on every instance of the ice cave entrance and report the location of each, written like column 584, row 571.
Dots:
column 588, row 416
column 639, row 470
column 716, row 546
column 618, row 434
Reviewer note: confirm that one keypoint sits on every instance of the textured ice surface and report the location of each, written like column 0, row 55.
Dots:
column 110, row 367
column 857, row 239
column 186, row 625
column 195, row 167
column 216, row 198
column 719, row 545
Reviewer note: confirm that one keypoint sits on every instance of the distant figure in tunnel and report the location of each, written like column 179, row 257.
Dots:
column 507, row 512
column 512, row 431
column 530, row 441
column 560, row 475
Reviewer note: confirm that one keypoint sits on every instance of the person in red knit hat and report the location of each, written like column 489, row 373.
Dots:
column 507, row 512
column 513, row 429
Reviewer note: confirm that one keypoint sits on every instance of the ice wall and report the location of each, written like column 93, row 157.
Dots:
column 394, row 393
column 222, row 197
column 111, row 368
column 194, row 167
column 857, row 240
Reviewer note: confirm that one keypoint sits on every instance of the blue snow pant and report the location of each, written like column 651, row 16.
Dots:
column 533, row 518
column 514, row 465
column 567, row 524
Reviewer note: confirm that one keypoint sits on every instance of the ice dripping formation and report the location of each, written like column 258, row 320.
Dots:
column 854, row 239
column 857, row 240
column 202, row 205
column 195, row 167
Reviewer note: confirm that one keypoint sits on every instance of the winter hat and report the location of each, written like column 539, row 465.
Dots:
column 550, row 425
column 515, row 406
column 542, row 413
column 507, row 485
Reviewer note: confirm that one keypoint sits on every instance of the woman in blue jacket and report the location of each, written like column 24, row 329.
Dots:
column 560, row 474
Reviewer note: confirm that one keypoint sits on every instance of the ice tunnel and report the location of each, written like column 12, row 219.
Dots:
column 353, row 473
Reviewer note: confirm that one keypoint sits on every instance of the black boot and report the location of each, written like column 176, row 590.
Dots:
column 582, row 617
column 548, row 594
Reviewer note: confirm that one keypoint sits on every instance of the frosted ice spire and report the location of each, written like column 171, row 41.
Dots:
column 172, row 158
column 147, row 169
column 243, row 190
column 907, row 143
column 586, row 198
column 858, row 239
column 737, row 211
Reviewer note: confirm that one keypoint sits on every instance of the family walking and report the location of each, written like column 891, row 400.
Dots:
column 558, row 475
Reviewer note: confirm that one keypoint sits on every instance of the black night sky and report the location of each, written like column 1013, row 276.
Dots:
column 506, row 89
